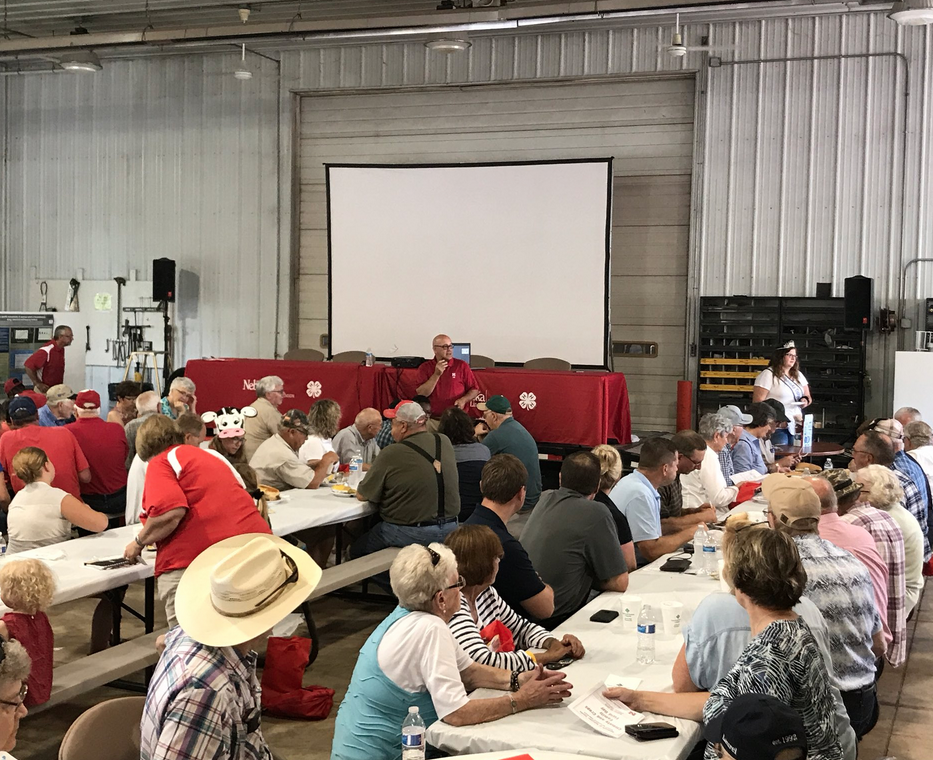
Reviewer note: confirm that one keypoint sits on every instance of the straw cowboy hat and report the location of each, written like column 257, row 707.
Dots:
column 239, row 588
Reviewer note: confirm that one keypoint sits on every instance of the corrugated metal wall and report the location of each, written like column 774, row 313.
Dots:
column 149, row 158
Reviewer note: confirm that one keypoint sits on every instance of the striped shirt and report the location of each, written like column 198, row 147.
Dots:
column 489, row 608
column 914, row 482
column 840, row 586
column 203, row 704
column 784, row 662
column 889, row 540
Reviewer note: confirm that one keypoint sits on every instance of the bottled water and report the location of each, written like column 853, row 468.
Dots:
column 828, row 464
column 356, row 470
column 2, row 545
column 369, row 357
column 699, row 541
column 644, row 654
column 710, row 562
column 413, row 736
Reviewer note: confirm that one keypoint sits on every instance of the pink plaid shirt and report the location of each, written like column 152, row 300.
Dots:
column 890, row 544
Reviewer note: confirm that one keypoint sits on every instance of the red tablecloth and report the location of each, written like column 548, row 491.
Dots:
column 582, row 408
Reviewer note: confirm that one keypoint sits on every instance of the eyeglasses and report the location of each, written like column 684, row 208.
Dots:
column 860, row 451
column 459, row 584
column 20, row 697
column 446, row 346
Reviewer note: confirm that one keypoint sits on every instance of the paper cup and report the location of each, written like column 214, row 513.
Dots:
column 671, row 616
column 631, row 609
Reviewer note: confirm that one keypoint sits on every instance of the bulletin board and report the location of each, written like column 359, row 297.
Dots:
column 20, row 335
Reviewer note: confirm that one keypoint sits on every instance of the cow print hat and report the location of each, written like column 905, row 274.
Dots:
column 228, row 421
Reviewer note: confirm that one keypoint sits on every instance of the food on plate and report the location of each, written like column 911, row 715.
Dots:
column 343, row 488
column 271, row 494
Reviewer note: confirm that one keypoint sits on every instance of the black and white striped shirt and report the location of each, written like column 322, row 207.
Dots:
column 489, row 608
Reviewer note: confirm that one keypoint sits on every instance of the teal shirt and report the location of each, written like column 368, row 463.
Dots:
column 512, row 438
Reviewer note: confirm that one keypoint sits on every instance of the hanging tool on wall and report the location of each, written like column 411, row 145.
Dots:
column 87, row 342
column 44, row 292
column 71, row 304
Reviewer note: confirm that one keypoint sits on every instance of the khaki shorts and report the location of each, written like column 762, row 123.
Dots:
column 167, row 584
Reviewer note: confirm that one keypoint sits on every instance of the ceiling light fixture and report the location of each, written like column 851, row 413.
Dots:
column 243, row 73
column 912, row 12
column 83, row 61
column 448, row 46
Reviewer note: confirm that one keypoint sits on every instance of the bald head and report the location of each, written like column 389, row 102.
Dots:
column 368, row 422
column 824, row 489
column 442, row 347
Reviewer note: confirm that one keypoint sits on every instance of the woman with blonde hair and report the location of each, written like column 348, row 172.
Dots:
column 324, row 421
column 610, row 473
column 741, row 643
column 39, row 514
column 27, row 587
column 881, row 489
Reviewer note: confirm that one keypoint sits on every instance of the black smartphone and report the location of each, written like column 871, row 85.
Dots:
column 562, row 663
column 604, row 616
column 676, row 565
column 648, row 732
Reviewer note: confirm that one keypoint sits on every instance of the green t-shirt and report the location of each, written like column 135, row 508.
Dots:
column 403, row 484
column 512, row 438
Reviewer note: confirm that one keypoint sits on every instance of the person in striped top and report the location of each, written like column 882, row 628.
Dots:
column 474, row 626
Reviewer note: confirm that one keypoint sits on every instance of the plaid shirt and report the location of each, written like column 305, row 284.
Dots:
column 203, row 704
column 914, row 482
column 725, row 463
column 384, row 436
column 890, row 544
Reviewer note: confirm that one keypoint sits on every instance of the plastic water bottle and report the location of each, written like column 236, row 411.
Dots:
column 644, row 653
column 828, row 464
column 356, row 470
column 413, row 735
column 699, row 541
column 2, row 545
column 369, row 357
column 710, row 561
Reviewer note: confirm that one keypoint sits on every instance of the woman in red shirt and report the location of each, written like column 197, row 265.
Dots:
column 27, row 588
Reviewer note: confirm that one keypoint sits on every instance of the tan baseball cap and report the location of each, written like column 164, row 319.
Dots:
column 791, row 500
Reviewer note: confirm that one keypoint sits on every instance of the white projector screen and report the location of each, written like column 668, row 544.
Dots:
column 511, row 258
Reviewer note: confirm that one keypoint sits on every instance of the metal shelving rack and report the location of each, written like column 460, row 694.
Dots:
column 739, row 333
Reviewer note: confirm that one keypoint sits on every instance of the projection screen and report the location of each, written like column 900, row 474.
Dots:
column 512, row 258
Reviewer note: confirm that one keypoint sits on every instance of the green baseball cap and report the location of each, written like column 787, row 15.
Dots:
column 497, row 404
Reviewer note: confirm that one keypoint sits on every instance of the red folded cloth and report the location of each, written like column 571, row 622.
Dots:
column 746, row 492
column 497, row 628
column 282, row 692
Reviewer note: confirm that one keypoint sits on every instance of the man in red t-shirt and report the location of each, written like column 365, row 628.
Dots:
column 59, row 445
column 50, row 360
column 192, row 499
column 105, row 447
column 445, row 380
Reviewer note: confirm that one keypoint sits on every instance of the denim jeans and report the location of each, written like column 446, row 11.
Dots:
column 383, row 535
column 862, row 707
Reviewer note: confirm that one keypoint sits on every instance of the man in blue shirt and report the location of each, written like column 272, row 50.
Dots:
column 746, row 453
column 59, row 407
column 508, row 436
column 637, row 497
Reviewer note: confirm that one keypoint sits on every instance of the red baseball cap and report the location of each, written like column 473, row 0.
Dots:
column 88, row 399
column 13, row 382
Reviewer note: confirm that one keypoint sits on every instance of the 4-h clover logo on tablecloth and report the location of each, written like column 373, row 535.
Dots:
column 528, row 401
column 314, row 389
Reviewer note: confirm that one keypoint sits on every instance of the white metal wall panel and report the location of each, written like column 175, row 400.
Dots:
column 645, row 124
column 157, row 157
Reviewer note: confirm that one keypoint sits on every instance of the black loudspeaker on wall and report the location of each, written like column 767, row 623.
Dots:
column 163, row 280
column 858, row 303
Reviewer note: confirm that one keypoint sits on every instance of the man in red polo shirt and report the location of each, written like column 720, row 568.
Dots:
column 445, row 380
column 49, row 360
column 59, row 445
column 105, row 447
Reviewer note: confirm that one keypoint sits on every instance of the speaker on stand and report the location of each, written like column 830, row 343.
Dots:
column 163, row 291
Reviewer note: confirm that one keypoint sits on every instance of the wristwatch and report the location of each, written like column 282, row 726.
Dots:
column 139, row 543
column 513, row 682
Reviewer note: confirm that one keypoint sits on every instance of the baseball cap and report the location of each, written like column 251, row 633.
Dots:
column 497, row 404
column 842, row 483
column 757, row 727
column 21, row 408
column 295, row 419
column 13, row 385
column 791, row 499
column 59, row 393
column 88, row 399
column 891, row 428
column 735, row 414
column 780, row 413
column 405, row 411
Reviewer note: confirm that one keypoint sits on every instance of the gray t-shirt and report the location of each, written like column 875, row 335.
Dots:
column 574, row 546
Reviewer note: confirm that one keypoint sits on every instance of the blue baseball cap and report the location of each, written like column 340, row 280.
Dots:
column 21, row 408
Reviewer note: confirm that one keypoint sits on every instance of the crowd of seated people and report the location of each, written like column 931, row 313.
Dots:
column 827, row 582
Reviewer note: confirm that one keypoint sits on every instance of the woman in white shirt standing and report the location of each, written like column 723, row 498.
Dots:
column 41, row 515
column 783, row 380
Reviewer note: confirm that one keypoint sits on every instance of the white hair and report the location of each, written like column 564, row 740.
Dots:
column 266, row 384
column 884, row 490
column 909, row 412
column 147, row 402
column 416, row 579
column 919, row 433
column 710, row 424
column 87, row 413
column 183, row 384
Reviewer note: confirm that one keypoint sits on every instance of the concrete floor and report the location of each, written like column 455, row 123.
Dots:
column 904, row 731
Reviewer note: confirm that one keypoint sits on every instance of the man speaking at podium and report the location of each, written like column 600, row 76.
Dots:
column 447, row 381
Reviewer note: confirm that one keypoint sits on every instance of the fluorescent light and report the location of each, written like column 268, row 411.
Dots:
column 80, row 61
column 912, row 12
column 448, row 46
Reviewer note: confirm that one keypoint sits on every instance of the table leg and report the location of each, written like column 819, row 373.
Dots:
column 116, row 609
column 150, row 605
column 312, row 631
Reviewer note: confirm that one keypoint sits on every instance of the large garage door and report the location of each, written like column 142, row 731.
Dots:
column 645, row 124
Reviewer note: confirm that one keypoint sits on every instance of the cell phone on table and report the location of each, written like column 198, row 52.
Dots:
column 648, row 732
column 111, row 564
column 560, row 664
column 676, row 565
column 604, row 616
